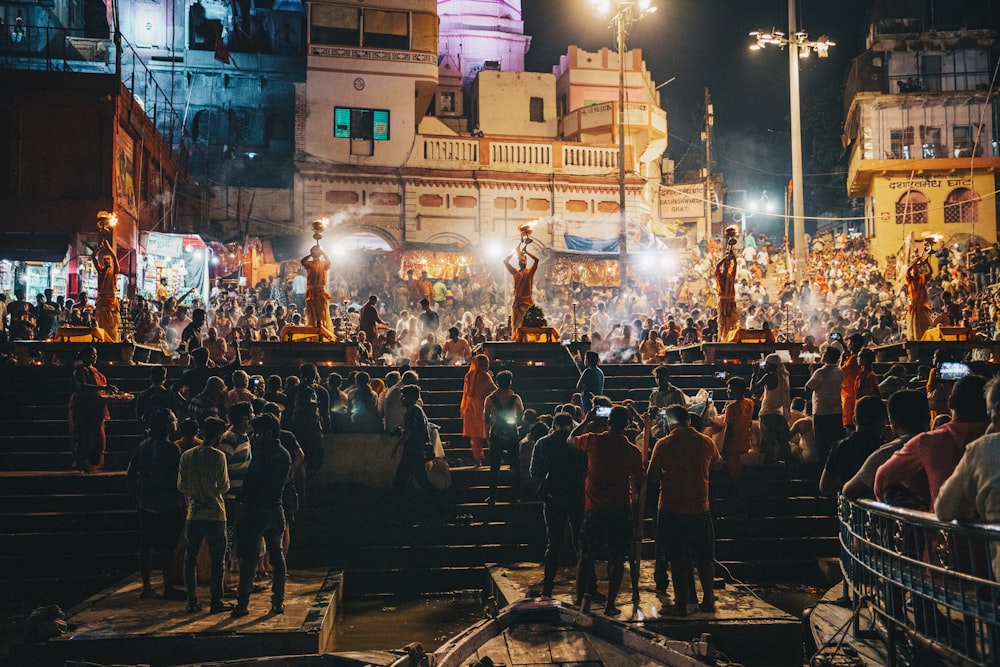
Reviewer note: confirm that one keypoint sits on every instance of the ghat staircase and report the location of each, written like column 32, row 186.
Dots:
column 65, row 535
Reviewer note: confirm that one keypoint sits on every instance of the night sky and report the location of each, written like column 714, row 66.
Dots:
column 705, row 43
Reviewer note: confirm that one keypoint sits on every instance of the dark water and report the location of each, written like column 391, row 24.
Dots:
column 391, row 623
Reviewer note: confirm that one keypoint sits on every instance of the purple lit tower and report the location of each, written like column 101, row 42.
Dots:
column 482, row 34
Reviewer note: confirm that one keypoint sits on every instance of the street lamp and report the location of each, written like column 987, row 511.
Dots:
column 799, row 46
column 623, row 14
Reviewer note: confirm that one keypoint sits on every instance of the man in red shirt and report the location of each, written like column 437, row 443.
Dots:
column 614, row 470
column 936, row 453
column 684, row 530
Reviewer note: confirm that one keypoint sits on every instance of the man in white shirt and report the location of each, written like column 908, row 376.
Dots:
column 599, row 321
column 827, row 410
column 299, row 290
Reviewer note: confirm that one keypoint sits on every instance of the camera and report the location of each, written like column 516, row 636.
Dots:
column 762, row 363
column 603, row 412
column 721, row 375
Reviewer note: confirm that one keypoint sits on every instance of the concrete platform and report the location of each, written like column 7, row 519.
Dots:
column 742, row 626
column 116, row 627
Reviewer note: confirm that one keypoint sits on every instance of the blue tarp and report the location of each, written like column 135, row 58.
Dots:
column 584, row 244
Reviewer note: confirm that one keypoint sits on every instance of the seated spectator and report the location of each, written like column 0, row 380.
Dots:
column 909, row 415
column 849, row 454
column 363, row 407
column 456, row 351
column 240, row 392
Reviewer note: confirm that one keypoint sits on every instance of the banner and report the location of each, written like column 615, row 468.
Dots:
column 582, row 244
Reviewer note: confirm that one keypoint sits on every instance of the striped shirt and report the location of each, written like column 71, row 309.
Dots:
column 236, row 447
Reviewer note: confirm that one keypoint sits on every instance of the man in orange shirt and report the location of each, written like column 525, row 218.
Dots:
column 614, row 469
column 684, row 530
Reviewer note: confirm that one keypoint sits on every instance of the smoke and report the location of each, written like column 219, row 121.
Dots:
column 352, row 212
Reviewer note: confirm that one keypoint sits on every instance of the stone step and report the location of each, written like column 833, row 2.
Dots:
column 21, row 461
column 32, row 428
column 90, row 521
column 66, row 502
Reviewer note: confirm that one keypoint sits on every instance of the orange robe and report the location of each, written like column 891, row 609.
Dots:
column 739, row 419
column 849, row 388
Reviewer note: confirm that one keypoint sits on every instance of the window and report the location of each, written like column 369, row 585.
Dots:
column 386, row 30
column 447, row 104
column 362, row 124
column 911, row 208
column 961, row 205
column 536, row 110
column 334, row 24
column 962, row 140
column 930, row 137
column 900, row 142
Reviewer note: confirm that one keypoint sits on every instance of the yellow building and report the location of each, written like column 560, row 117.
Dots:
column 957, row 205
column 921, row 126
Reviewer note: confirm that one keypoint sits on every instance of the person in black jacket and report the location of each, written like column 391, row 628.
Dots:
column 262, row 515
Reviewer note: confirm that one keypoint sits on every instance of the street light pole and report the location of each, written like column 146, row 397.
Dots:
column 624, row 14
column 622, row 220
column 799, row 46
column 798, row 200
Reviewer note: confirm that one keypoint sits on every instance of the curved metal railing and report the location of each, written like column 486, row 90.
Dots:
column 936, row 581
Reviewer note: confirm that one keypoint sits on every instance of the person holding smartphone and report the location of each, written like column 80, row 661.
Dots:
column 775, row 408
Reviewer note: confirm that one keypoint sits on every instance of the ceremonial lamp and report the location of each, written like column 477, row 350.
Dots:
column 731, row 232
column 106, row 223
column 525, row 231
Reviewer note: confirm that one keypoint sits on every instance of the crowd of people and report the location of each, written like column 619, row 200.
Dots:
column 239, row 458
column 431, row 320
column 588, row 460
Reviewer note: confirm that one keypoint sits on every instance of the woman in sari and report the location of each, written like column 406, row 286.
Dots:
column 87, row 412
column 478, row 385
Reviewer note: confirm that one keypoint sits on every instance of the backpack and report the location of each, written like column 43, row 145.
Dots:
column 564, row 475
column 305, row 405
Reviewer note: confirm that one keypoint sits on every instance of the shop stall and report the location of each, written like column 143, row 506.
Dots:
column 182, row 259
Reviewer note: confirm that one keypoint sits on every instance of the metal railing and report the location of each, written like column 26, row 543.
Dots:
column 936, row 581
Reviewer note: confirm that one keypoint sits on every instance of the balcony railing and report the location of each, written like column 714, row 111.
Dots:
column 935, row 581
column 514, row 156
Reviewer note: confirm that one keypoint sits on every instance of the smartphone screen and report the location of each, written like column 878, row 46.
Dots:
column 954, row 370
column 603, row 412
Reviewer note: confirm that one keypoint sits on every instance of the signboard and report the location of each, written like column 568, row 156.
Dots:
column 682, row 201
column 164, row 245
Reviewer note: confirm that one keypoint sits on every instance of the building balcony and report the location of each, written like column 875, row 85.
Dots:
column 599, row 122
column 535, row 157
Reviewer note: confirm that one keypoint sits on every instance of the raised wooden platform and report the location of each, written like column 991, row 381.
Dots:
column 116, row 627
column 531, row 354
column 46, row 352
column 746, row 352
column 282, row 353
column 736, row 625
column 831, row 625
